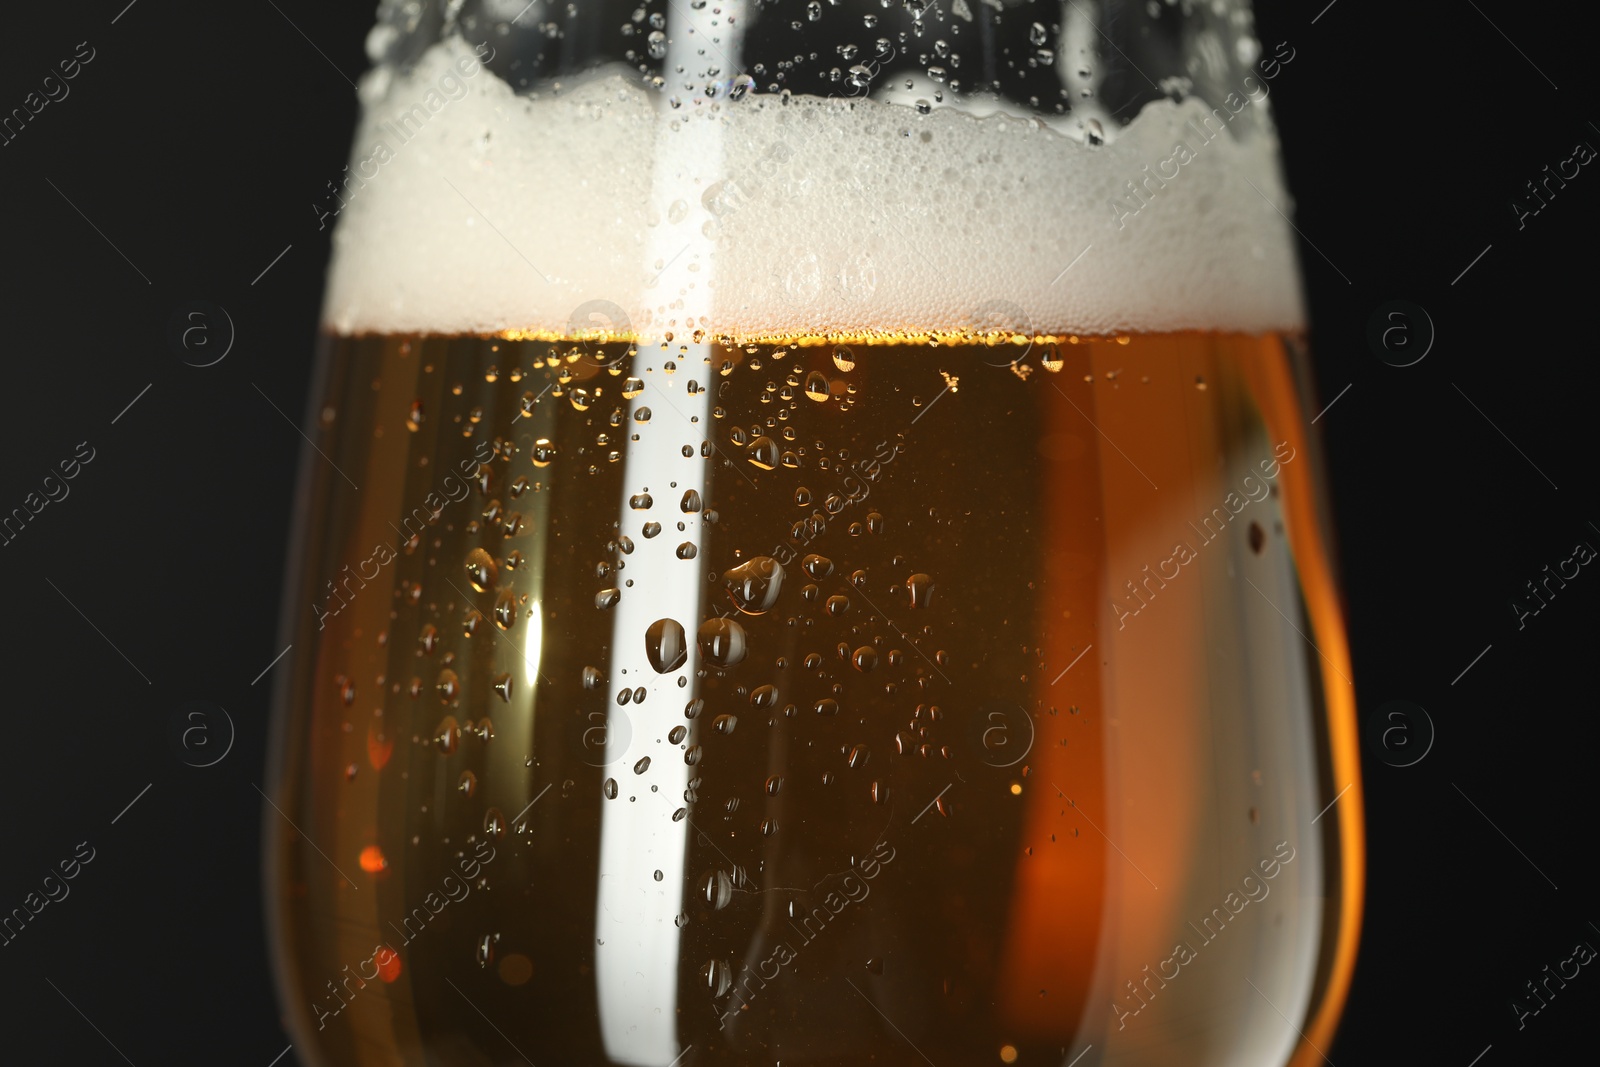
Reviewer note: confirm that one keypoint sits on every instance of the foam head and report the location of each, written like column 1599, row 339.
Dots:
column 473, row 209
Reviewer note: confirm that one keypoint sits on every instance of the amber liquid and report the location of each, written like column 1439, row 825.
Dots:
column 711, row 705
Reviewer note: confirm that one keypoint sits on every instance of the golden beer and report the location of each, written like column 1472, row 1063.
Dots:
column 789, row 580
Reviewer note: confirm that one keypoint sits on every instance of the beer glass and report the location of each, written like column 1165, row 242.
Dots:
column 813, row 551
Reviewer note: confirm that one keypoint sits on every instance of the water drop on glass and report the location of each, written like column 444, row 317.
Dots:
column 666, row 645
column 753, row 586
column 763, row 453
column 722, row 642
column 818, row 567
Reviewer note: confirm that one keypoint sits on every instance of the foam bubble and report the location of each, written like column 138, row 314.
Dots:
column 482, row 211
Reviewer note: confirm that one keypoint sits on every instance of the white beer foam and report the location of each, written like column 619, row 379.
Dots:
column 844, row 218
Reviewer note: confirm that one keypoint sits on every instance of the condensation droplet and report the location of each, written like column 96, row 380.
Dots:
column 763, row 453
column 722, row 642
column 753, row 586
column 716, row 889
column 666, row 645
column 505, row 610
column 447, row 734
column 482, row 570
column 818, row 567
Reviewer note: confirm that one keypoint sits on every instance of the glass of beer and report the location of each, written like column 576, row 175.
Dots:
column 813, row 551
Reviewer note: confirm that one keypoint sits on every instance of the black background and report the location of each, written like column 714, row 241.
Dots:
column 196, row 141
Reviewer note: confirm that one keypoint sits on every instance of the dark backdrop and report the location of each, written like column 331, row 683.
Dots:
column 184, row 162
